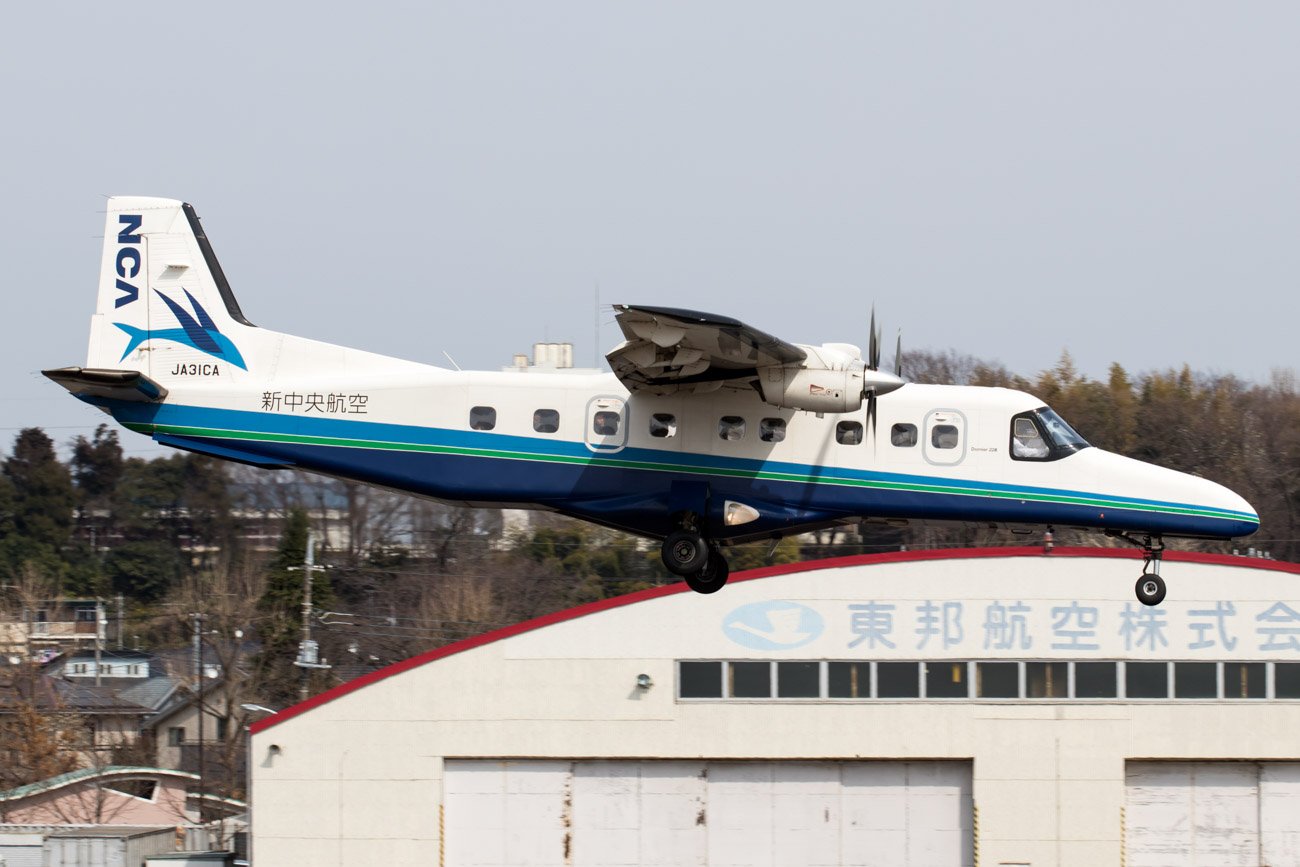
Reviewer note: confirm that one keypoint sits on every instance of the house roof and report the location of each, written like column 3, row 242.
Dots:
column 112, row 772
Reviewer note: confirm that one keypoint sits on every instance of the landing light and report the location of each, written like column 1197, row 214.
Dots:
column 735, row 514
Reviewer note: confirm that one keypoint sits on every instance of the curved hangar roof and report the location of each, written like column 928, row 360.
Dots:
column 987, row 603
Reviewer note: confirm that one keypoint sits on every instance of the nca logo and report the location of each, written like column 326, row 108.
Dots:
column 128, row 258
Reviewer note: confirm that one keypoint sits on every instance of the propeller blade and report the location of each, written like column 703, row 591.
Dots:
column 873, row 346
column 898, row 355
column 871, row 415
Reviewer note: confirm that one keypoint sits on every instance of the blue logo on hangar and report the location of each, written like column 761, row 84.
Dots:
column 777, row 624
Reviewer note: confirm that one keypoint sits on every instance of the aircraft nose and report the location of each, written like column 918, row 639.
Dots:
column 1175, row 502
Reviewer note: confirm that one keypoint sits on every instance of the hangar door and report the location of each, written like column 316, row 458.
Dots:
column 1212, row 813
column 544, row 813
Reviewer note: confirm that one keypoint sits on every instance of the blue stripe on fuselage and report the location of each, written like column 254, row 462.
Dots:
column 602, row 492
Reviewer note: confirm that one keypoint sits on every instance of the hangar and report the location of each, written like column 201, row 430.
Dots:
column 986, row 706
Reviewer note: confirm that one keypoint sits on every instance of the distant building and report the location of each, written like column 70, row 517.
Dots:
column 548, row 358
column 52, row 625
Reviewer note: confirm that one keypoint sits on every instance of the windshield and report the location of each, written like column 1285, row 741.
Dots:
column 1059, row 432
column 1042, row 435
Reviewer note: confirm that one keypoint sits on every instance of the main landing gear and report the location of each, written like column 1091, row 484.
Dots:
column 1150, row 587
column 700, row 562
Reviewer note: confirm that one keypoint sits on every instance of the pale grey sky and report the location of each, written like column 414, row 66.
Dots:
column 1005, row 179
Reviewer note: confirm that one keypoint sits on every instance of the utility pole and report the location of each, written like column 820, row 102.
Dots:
column 121, row 619
column 198, row 698
column 308, row 650
column 99, row 635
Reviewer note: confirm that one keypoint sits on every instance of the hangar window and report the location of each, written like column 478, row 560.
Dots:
column 662, row 425
column 750, row 679
column 771, row 430
column 1196, row 680
column 798, row 679
column 944, row 436
column 946, row 680
column 903, row 435
column 849, row 679
column 897, row 680
column 482, row 418
column 731, row 428
column 1244, row 680
column 1094, row 680
column 605, row 423
column 997, row 680
column 700, row 679
column 1047, row 679
column 1146, row 679
column 1286, row 679
column 546, row 420
column 848, row 433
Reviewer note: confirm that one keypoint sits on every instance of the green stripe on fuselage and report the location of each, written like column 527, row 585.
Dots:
column 955, row 489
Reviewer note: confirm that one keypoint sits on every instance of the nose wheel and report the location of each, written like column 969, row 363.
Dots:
column 1150, row 589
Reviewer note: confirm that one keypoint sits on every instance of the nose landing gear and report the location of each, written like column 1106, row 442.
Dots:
column 699, row 562
column 1150, row 586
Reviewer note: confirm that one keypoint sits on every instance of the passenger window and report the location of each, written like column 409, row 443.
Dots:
column 903, row 435
column 546, row 420
column 731, row 428
column 943, row 436
column 1027, row 443
column 848, row 433
column 663, row 424
column 482, row 418
column 771, row 430
column 605, row 423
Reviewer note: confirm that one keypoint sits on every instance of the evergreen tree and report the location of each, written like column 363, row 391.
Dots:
column 40, row 506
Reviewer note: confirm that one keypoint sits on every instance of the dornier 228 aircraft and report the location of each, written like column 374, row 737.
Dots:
column 708, row 432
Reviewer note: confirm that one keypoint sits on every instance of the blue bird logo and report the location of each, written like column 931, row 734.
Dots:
column 197, row 331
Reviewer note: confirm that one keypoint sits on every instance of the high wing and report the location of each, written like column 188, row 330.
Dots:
column 669, row 350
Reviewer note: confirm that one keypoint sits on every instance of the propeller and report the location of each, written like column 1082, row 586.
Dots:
column 875, row 383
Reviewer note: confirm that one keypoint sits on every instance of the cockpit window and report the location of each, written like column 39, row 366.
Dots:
column 1042, row 435
column 1027, row 443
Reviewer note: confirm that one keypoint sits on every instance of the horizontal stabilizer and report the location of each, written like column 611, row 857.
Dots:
column 116, row 384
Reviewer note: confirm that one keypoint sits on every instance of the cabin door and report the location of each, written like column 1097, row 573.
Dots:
column 944, row 437
column 606, row 429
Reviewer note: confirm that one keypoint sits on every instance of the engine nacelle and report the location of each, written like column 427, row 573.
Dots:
column 812, row 390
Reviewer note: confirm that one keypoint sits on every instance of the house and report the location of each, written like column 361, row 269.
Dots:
column 110, row 795
column 52, row 625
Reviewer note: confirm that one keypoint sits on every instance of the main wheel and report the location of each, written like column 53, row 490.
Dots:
column 685, row 553
column 1150, row 589
column 711, row 578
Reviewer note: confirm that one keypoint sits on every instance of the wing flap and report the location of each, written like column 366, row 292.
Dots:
column 668, row 350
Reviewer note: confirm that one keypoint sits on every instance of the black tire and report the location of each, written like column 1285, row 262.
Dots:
column 685, row 553
column 712, row 577
column 1150, row 589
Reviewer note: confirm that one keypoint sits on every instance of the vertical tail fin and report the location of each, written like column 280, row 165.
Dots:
column 164, row 302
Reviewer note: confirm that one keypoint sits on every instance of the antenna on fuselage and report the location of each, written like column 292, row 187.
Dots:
column 452, row 360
